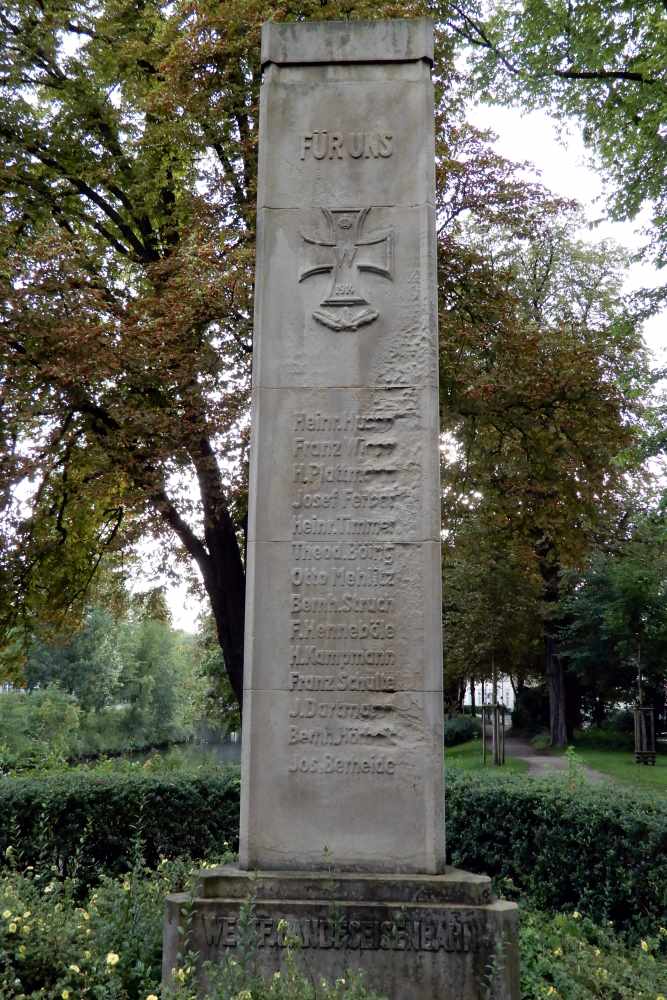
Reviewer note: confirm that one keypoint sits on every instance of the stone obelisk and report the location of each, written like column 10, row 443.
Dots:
column 342, row 800
column 342, row 734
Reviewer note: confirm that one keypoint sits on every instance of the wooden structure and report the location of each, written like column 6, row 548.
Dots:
column 644, row 735
column 494, row 716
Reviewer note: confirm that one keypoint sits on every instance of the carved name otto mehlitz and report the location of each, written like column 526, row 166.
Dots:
column 345, row 250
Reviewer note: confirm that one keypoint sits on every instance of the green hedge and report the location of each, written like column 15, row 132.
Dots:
column 461, row 729
column 86, row 825
column 597, row 850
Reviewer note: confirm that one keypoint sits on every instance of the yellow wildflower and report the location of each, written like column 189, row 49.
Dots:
column 557, row 952
column 86, row 953
column 65, row 994
column 74, row 968
column 6, row 914
column 21, row 951
column 576, row 915
column 11, row 929
column 151, row 996
column 112, row 959
column 644, row 945
column 26, row 914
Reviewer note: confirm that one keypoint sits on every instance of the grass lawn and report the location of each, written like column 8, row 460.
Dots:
column 620, row 765
column 468, row 757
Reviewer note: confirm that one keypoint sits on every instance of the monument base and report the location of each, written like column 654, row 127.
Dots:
column 431, row 937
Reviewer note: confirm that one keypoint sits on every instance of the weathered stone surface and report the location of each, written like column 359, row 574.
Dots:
column 342, row 747
column 342, row 804
column 433, row 938
column 350, row 41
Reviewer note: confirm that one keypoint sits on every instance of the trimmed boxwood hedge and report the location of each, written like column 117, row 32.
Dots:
column 601, row 850
column 87, row 825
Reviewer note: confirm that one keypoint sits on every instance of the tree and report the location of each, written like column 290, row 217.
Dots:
column 127, row 192
column 601, row 64
column 616, row 620
column 543, row 372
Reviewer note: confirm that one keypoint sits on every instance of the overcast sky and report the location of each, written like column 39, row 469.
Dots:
column 565, row 170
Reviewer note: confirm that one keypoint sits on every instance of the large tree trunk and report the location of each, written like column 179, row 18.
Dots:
column 557, row 694
column 226, row 589
column 550, row 570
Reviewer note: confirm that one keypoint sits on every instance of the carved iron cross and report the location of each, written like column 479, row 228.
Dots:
column 345, row 251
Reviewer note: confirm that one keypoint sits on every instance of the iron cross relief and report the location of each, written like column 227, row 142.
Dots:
column 344, row 251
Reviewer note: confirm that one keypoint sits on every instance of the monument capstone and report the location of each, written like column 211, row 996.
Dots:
column 342, row 802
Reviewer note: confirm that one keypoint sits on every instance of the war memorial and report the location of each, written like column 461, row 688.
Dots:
column 342, row 837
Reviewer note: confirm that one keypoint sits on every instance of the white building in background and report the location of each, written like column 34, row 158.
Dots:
column 484, row 694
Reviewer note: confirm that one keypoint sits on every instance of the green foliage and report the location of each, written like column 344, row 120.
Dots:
column 601, row 64
column 129, row 684
column 599, row 850
column 603, row 738
column 569, row 957
column 460, row 729
column 85, row 824
column 107, row 944
column 37, row 729
column 615, row 620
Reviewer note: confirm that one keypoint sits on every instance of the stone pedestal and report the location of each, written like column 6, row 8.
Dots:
column 432, row 937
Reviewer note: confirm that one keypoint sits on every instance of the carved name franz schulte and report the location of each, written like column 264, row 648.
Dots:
column 346, row 250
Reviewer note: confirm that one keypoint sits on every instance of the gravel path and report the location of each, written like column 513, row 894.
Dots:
column 541, row 764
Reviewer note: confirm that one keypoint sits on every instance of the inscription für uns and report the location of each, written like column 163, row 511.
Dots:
column 322, row 144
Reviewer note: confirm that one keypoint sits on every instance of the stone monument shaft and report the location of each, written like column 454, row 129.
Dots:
column 342, row 729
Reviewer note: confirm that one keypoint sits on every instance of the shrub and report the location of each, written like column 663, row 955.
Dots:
column 55, row 945
column 460, row 729
column 603, row 738
column 86, row 824
column 541, row 741
column 37, row 728
column 600, row 850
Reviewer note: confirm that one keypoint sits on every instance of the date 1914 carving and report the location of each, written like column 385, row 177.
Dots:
column 342, row 252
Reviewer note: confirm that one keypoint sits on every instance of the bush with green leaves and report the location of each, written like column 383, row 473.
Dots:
column 84, row 824
column 56, row 944
column 461, row 729
column 605, row 737
column 37, row 728
column 567, row 845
